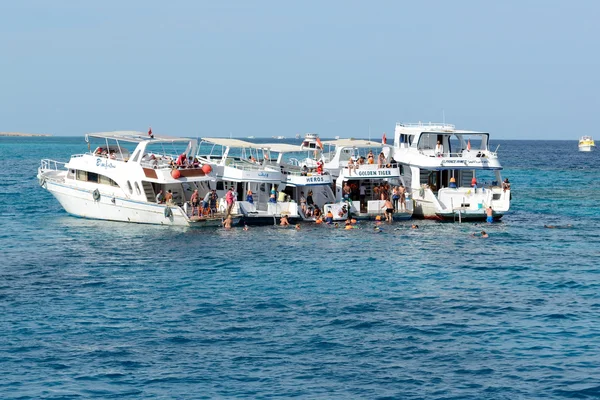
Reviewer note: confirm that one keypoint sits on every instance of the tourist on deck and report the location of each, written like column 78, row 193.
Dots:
column 389, row 210
column 347, row 191
column 402, row 193
column 439, row 149
column 362, row 189
column 395, row 197
column 304, row 171
column 273, row 196
column 213, row 202
column 309, row 199
column 316, row 212
column 302, row 203
column 282, row 196
column 320, row 167
column 181, row 160
column 370, row 157
column 452, row 184
column 505, row 185
column 351, row 166
column 169, row 197
column 206, row 200
column 250, row 197
column 381, row 160
column 195, row 201
column 160, row 198
column 229, row 199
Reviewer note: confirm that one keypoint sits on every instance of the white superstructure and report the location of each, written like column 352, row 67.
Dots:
column 298, row 181
column 249, row 168
column 365, row 175
column 123, row 172
column 452, row 174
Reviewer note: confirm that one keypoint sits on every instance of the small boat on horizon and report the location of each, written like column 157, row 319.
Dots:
column 586, row 143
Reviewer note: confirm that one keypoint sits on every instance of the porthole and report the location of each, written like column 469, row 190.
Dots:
column 137, row 189
column 129, row 187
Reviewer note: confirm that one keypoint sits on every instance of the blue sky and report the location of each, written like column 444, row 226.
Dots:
column 518, row 69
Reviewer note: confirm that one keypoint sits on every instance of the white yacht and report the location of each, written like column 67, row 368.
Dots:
column 359, row 185
column 586, row 143
column 249, row 168
column 121, row 179
column 298, row 182
column 452, row 174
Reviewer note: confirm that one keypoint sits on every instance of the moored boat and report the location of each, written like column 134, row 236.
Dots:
column 365, row 176
column 130, row 177
column 255, row 176
column 452, row 174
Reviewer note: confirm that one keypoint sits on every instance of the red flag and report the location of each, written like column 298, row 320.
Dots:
column 319, row 143
column 150, row 132
column 469, row 145
column 383, row 139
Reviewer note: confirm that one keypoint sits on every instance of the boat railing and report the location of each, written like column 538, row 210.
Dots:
column 420, row 124
column 47, row 165
column 465, row 154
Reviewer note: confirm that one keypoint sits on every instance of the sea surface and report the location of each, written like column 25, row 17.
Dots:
column 95, row 309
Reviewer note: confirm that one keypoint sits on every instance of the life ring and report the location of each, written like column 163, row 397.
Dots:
column 168, row 212
column 96, row 195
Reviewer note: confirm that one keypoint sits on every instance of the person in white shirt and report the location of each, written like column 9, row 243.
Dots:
column 439, row 149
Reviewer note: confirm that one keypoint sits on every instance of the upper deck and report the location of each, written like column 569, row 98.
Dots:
column 442, row 146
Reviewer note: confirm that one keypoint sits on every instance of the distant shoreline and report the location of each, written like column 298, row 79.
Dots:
column 22, row 134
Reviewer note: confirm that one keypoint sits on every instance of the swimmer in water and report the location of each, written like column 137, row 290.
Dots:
column 558, row 226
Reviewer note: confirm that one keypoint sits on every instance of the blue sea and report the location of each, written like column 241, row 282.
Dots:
column 97, row 309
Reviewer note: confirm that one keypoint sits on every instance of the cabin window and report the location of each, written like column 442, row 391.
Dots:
column 104, row 180
column 137, row 189
column 129, row 187
column 220, row 185
column 71, row 174
column 81, row 175
column 92, row 177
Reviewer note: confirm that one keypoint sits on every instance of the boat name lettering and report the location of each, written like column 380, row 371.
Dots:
column 104, row 163
column 263, row 174
column 315, row 179
column 375, row 173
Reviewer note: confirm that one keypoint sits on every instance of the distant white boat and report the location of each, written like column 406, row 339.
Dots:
column 586, row 143
column 279, row 137
column 337, row 137
column 250, row 137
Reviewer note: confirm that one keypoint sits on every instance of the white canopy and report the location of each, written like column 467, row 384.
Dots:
column 233, row 143
column 282, row 147
column 353, row 143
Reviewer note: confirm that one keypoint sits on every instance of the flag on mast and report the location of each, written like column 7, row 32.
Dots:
column 383, row 139
column 469, row 144
column 319, row 143
column 150, row 132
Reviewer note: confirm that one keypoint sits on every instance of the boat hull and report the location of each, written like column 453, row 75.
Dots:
column 585, row 148
column 81, row 203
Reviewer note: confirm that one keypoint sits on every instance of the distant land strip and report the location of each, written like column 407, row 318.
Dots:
column 22, row 134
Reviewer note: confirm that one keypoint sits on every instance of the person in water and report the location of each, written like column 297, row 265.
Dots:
column 284, row 220
column 227, row 223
